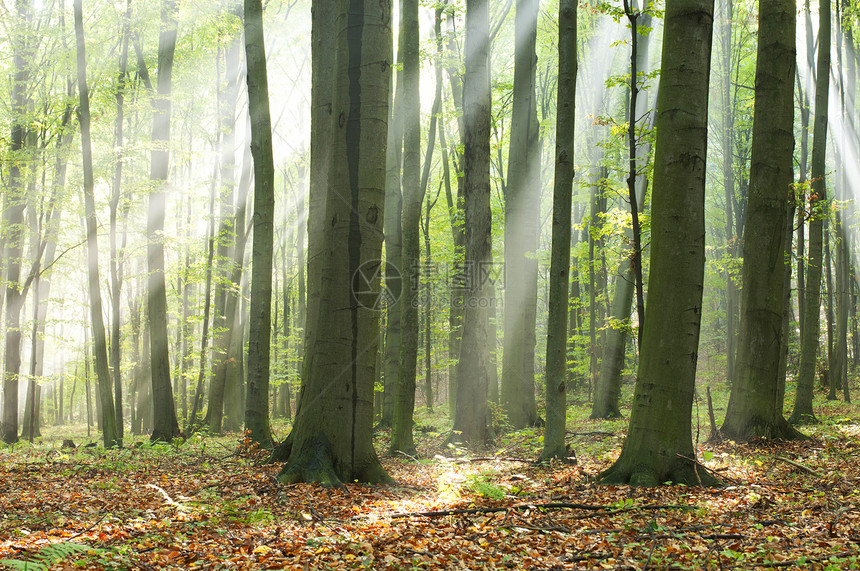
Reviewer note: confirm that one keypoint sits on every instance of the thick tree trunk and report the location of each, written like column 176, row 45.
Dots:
column 331, row 441
column 165, row 423
column 803, row 412
column 660, row 422
column 556, row 341
column 755, row 406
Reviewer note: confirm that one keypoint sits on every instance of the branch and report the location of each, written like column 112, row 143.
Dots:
column 606, row 510
column 798, row 465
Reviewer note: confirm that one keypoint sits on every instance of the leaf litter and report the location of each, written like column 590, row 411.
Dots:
column 785, row 505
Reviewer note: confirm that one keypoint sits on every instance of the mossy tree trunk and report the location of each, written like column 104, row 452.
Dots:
column 331, row 441
column 660, row 422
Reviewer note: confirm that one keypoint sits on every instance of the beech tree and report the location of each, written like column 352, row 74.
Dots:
column 659, row 445
column 260, row 331
column 755, row 405
column 473, row 370
column 165, row 422
column 331, row 440
column 556, row 339
column 803, row 412
column 110, row 432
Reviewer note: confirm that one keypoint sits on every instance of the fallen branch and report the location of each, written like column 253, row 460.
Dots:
column 607, row 510
column 490, row 459
column 798, row 465
column 799, row 563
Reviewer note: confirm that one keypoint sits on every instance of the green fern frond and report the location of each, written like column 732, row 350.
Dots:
column 47, row 556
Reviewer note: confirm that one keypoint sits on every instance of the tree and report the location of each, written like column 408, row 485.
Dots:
column 110, row 431
column 556, row 340
column 473, row 369
column 803, row 412
column 262, row 247
column 629, row 280
column 116, row 265
column 659, row 432
column 331, row 441
column 522, row 206
column 14, row 204
column 413, row 196
column 755, row 406
column 165, row 423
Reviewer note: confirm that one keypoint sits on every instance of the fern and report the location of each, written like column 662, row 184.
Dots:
column 48, row 555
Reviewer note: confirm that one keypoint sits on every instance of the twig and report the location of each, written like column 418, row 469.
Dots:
column 798, row 465
column 87, row 530
column 593, row 433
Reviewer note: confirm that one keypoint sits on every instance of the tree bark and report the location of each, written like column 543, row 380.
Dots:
column 559, row 277
column 262, row 247
column 413, row 196
column 473, row 370
column 803, row 412
column 331, row 441
column 165, row 423
column 660, row 422
column 755, row 406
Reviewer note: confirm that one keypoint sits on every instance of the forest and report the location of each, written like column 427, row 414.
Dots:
column 327, row 284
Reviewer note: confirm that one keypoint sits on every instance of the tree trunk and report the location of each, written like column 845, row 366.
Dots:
column 260, row 319
column 755, row 406
column 393, row 230
column 108, row 414
column 475, row 363
column 331, row 441
column 14, row 203
column 165, row 423
column 404, row 397
column 522, row 207
column 803, row 412
column 116, row 267
column 660, row 422
column 556, row 340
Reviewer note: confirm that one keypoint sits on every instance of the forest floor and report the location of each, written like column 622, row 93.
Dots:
column 210, row 504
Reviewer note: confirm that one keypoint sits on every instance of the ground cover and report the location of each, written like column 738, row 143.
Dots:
column 209, row 503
